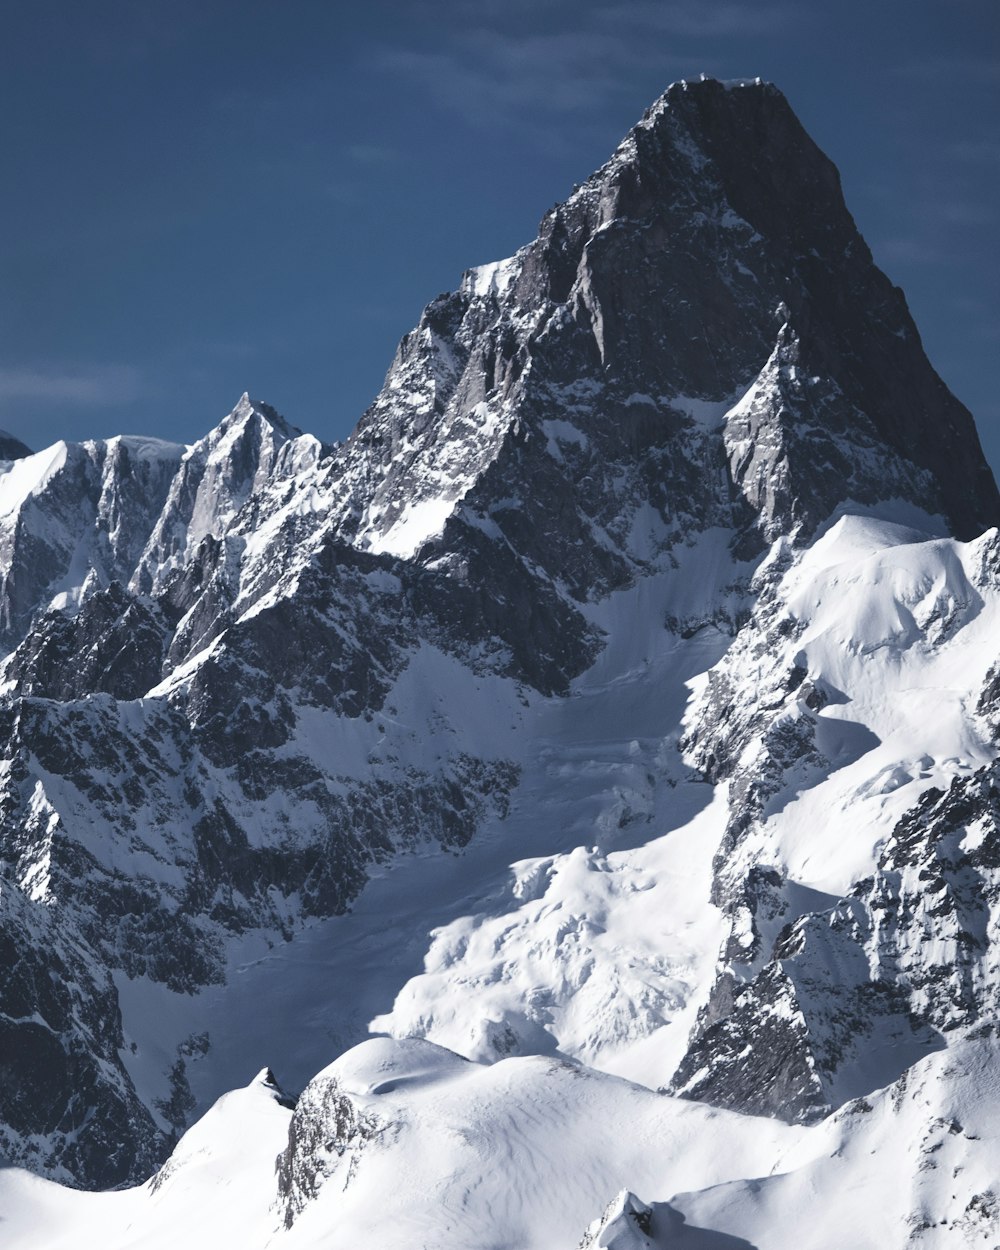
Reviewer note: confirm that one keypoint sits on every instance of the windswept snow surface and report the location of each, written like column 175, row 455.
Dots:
column 418, row 1148
column 455, row 1155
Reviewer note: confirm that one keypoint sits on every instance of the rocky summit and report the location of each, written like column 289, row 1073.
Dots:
column 580, row 786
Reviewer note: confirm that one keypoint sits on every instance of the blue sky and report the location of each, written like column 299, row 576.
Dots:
column 237, row 194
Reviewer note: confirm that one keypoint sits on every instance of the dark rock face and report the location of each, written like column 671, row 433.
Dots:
column 67, row 1106
column 908, row 958
column 697, row 339
column 757, row 1058
column 114, row 645
column 327, row 1134
column 933, row 903
column 855, row 322
column 12, row 448
column 554, row 394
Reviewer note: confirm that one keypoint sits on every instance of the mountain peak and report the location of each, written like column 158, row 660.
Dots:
column 12, row 448
column 579, row 555
column 247, row 407
column 709, row 85
column 662, row 282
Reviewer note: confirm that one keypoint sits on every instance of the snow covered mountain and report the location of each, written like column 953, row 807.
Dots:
column 610, row 723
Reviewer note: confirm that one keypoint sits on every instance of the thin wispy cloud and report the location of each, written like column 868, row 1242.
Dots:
column 88, row 387
column 679, row 17
column 495, row 71
column 701, row 21
column 501, row 80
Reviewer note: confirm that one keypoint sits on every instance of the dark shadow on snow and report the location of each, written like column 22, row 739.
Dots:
column 670, row 1228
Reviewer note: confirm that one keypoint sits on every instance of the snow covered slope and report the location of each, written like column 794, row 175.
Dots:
column 611, row 722
column 405, row 1145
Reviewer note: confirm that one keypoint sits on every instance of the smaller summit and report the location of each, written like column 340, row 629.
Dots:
column 247, row 407
column 12, row 448
column 215, row 478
